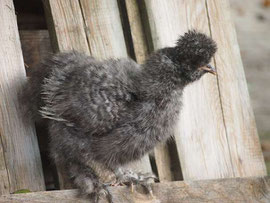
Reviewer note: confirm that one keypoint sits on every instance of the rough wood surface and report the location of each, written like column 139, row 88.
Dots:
column 137, row 30
column 103, row 28
column 238, row 190
column 93, row 27
column 66, row 25
column 243, row 140
column 20, row 164
column 35, row 46
column 206, row 145
column 105, row 37
column 163, row 163
column 4, row 183
column 141, row 51
column 253, row 34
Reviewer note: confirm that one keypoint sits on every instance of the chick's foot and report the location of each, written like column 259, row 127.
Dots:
column 130, row 178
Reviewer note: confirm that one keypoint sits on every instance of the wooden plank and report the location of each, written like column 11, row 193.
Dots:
column 99, row 31
column 36, row 46
column 244, row 144
column 66, row 29
column 103, row 28
column 137, row 30
column 199, row 123
column 19, row 147
column 141, row 50
column 163, row 163
column 217, row 191
column 106, row 40
column 66, row 25
column 253, row 34
column 4, row 183
column 201, row 135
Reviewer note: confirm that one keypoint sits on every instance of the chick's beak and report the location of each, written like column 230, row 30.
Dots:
column 210, row 69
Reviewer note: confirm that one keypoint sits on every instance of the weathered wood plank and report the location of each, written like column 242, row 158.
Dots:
column 253, row 34
column 201, row 135
column 105, row 37
column 163, row 163
column 201, row 118
column 19, row 151
column 243, row 140
column 66, row 25
column 66, row 30
column 103, row 28
column 216, row 191
column 141, row 50
column 36, row 46
column 91, row 27
column 137, row 30
column 4, row 183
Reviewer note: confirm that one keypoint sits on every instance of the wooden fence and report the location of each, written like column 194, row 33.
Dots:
column 216, row 139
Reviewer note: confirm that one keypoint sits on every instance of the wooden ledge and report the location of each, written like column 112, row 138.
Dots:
column 255, row 189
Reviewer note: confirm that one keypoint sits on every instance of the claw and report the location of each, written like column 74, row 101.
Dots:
column 151, row 194
column 101, row 191
column 108, row 194
column 148, row 188
column 132, row 187
column 130, row 178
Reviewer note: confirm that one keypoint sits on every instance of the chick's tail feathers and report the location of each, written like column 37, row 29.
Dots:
column 30, row 94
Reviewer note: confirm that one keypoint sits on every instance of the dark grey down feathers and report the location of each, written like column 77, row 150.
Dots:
column 104, row 114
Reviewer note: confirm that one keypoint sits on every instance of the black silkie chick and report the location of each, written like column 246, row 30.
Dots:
column 105, row 114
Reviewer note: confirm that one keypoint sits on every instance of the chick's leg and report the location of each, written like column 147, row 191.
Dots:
column 128, row 177
column 88, row 182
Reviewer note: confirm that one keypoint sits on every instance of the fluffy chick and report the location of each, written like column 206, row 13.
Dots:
column 105, row 114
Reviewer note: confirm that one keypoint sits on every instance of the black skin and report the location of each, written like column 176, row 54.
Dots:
column 105, row 114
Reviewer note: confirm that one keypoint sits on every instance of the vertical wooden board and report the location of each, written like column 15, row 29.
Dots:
column 200, row 133
column 141, row 51
column 106, row 40
column 66, row 25
column 35, row 46
column 163, row 163
column 98, row 30
column 103, row 28
column 67, row 32
column 241, row 129
column 4, row 183
column 163, row 33
column 137, row 31
column 18, row 139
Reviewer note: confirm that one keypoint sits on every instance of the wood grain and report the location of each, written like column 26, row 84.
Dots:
column 4, row 183
column 244, row 144
column 141, row 49
column 106, row 40
column 200, row 121
column 36, row 46
column 66, row 25
column 137, row 30
column 240, row 190
column 103, row 28
column 66, row 30
column 201, row 134
column 163, row 163
column 253, row 34
column 19, row 153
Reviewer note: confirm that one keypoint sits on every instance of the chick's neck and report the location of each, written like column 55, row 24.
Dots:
column 161, row 76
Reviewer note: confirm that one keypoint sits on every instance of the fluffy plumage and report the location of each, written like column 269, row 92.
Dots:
column 104, row 114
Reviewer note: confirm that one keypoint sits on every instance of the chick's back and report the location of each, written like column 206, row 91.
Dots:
column 82, row 92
